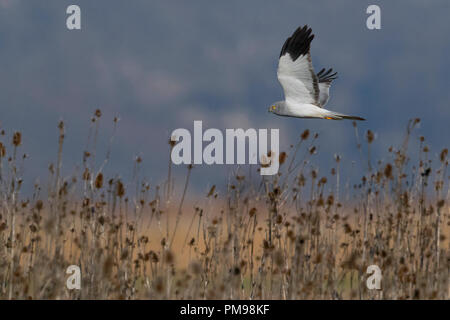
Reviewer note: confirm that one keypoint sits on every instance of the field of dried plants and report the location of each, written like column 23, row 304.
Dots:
column 296, row 235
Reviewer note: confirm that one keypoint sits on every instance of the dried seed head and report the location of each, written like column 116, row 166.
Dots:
column 17, row 139
column 301, row 180
column 159, row 285
column 443, row 155
column 282, row 157
column 2, row 150
column 98, row 113
column 388, row 171
column 347, row 228
column 305, row 134
column 370, row 136
column 39, row 205
column 279, row 219
column 169, row 258
column 330, row 200
column 426, row 173
column 99, row 181
column 120, row 189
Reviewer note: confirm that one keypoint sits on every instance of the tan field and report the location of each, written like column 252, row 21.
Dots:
column 285, row 237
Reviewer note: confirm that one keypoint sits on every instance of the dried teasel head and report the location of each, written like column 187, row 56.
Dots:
column 17, row 139
column 388, row 171
column 370, row 136
column 443, row 155
column 282, row 157
column 99, row 181
column 120, row 189
column 39, row 205
column 2, row 150
column 305, row 134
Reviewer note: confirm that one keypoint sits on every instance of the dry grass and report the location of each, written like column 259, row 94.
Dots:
column 296, row 235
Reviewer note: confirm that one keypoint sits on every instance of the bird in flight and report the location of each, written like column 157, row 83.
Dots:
column 306, row 93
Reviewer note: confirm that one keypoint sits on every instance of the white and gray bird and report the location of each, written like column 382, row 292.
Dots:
column 305, row 92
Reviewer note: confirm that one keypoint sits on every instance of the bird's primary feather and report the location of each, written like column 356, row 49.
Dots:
column 295, row 70
column 325, row 79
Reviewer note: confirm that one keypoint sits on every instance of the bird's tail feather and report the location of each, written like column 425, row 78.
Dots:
column 340, row 116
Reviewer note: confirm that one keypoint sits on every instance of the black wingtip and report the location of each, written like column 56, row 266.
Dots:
column 326, row 76
column 353, row 118
column 298, row 43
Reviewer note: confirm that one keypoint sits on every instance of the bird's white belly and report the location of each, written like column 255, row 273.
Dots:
column 305, row 110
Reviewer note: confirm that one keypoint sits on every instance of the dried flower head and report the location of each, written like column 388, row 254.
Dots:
column 2, row 150
column 120, row 189
column 17, row 139
column 370, row 136
column 443, row 155
column 282, row 157
column 388, row 171
column 99, row 181
column 305, row 134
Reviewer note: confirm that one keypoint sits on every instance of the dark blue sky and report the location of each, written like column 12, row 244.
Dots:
column 160, row 65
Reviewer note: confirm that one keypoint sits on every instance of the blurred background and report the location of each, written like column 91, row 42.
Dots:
column 160, row 65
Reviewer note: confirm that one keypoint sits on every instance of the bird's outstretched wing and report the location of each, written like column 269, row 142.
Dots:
column 295, row 70
column 325, row 79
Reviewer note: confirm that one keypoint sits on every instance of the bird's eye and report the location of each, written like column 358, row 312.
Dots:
column 273, row 107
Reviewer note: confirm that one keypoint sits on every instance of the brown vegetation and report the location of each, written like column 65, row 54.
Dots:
column 291, row 236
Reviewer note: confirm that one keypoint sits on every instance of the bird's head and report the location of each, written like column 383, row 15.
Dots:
column 276, row 107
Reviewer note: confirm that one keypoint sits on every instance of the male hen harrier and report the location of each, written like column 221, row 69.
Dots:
column 306, row 93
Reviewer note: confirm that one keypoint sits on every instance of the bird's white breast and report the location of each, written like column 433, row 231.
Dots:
column 304, row 110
